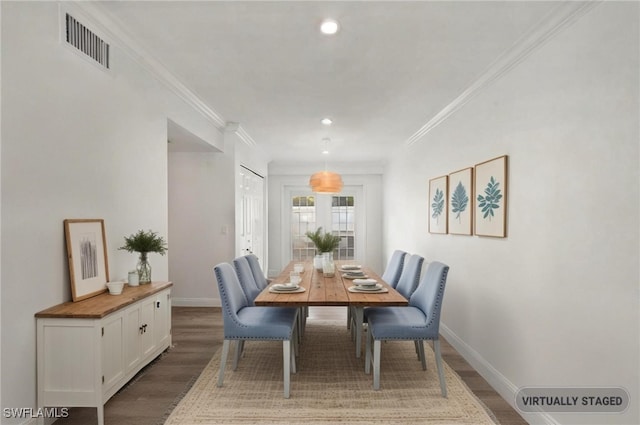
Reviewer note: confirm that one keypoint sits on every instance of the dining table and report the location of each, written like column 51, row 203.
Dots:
column 317, row 289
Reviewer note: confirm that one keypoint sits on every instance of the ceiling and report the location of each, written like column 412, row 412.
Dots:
column 390, row 69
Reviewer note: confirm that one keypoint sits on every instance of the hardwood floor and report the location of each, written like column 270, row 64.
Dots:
column 197, row 334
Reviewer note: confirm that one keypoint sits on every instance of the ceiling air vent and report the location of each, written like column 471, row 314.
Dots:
column 86, row 41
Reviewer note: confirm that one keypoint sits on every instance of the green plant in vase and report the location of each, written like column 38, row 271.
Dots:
column 325, row 243
column 144, row 242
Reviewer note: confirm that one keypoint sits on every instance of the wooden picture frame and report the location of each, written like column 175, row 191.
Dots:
column 490, row 198
column 438, row 204
column 87, row 255
column 460, row 220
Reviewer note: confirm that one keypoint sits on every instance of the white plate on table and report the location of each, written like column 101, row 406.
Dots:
column 285, row 286
column 365, row 282
column 372, row 288
column 358, row 276
column 347, row 267
column 280, row 288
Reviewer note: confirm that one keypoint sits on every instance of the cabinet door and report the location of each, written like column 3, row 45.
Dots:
column 163, row 319
column 147, row 322
column 133, row 332
column 113, row 367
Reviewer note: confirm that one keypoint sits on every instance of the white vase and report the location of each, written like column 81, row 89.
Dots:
column 134, row 279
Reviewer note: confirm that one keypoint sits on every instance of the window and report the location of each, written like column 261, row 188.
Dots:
column 342, row 224
column 335, row 214
column 303, row 220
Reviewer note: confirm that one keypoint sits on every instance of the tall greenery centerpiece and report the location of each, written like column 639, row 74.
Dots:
column 325, row 243
column 143, row 243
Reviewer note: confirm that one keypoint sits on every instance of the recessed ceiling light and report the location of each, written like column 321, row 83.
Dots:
column 329, row 26
column 326, row 121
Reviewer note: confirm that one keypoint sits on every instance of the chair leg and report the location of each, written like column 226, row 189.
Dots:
column 420, row 345
column 239, row 352
column 223, row 360
column 286, row 357
column 367, row 352
column 376, row 364
column 443, row 384
column 348, row 317
column 293, row 363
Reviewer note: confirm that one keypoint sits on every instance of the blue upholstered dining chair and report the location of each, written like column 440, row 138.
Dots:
column 258, row 275
column 247, row 281
column 410, row 276
column 243, row 322
column 407, row 283
column 418, row 321
column 392, row 273
column 247, row 268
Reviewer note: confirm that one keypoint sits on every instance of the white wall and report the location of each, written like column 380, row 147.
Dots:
column 201, row 204
column 76, row 143
column 556, row 302
column 0, row 209
column 202, row 214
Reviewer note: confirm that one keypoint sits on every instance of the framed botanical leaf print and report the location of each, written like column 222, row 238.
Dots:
column 438, row 208
column 490, row 211
column 461, row 202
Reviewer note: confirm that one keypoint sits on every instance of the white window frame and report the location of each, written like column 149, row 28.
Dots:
column 324, row 201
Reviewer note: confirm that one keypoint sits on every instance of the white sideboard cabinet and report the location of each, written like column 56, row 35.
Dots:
column 87, row 350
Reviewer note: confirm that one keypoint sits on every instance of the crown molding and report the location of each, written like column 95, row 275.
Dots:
column 236, row 128
column 559, row 18
column 244, row 136
column 118, row 35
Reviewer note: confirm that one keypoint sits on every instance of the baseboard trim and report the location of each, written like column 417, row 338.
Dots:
column 195, row 302
column 497, row 380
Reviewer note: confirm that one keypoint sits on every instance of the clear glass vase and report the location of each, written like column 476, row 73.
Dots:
column 328, row 266
column 317, row 262
column 144, row 269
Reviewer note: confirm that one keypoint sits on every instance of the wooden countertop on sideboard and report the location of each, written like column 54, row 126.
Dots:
column 103, row 304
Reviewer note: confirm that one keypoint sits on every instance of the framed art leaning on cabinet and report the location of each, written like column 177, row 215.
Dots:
column 87, row 255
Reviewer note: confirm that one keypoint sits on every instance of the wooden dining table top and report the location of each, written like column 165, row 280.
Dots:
column 328, row 291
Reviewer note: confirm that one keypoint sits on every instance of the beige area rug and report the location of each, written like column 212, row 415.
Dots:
column 330, row 387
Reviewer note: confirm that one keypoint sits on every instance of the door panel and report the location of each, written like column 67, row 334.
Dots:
column 251, row 227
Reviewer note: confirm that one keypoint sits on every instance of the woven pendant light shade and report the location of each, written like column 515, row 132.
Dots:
column 326, row 182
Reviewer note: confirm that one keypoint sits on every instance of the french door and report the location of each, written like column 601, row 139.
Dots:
column 337, row 214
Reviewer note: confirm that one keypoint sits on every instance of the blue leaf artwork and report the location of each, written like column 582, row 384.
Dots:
column 491, row 200
column 437, row 205
column 459, row 200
